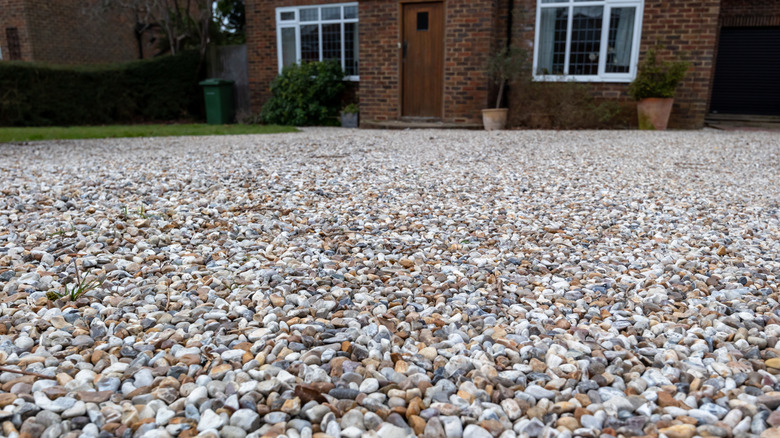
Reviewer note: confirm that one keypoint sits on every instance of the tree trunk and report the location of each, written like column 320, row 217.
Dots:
column 500, row 93
column 205, row 22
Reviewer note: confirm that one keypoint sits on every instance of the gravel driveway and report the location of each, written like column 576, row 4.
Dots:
column 393, row 283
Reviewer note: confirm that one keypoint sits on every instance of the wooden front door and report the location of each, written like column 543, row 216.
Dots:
column 423, row 59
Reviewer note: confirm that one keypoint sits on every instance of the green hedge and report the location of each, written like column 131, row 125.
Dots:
column 33, row 94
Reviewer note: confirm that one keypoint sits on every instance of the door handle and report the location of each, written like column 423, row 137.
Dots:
column 405, row 46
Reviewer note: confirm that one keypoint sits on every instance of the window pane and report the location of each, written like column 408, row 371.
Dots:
column 552, row 41
column 310, row 42
column 586, row 40
column 288, row 46
column 621, row 39
column 351, row 49
column 331, row 13
column 331, row 41
column 322, row 34
column 422, row 21
column 14, row 44
column 309, row 14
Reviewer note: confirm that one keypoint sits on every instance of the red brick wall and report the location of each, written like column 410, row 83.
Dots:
column 682, row 26
column 380, row 75
column 690, row 27
column 469, row 38
column 69, row 31
column 63, row 32
column 750, row 13
column 12, row 14
column 263, row 64
column 475, row 28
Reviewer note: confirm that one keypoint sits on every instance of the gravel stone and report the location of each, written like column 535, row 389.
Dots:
column 390, row 283
column 390, row 431
column 474, row 431
column 232, row 432
column 245, row 419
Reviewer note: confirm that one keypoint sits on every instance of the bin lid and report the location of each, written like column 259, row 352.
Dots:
column 216, row 81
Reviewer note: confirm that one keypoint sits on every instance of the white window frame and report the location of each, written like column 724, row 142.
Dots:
column 602, row 75
column 296, row 24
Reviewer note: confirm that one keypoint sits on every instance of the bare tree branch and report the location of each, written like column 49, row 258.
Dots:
column 185, row 23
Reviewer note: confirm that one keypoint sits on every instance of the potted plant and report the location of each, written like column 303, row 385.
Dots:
column 349, row 116
column 654, row 88
column 504, row 66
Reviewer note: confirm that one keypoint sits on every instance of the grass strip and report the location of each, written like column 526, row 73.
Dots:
column 12, row 134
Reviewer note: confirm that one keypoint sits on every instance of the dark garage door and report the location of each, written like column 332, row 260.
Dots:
column 747, row 72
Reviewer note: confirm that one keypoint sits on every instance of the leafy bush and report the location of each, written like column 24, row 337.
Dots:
column 352, row 108
column 305, row 94
column 562, row 105
column 656, row 78
column 34, row 94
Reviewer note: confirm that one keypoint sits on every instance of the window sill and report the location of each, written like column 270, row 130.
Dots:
column 623, row 79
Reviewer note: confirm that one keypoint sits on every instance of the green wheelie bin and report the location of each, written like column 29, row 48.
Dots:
column 218, row 94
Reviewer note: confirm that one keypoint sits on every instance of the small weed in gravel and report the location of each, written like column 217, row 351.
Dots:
column 79, row 288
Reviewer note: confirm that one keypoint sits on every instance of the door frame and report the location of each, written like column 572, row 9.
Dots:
column 401, row 4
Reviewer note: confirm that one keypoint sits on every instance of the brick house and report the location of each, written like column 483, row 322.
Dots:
column 426, row 60
column 68, row 32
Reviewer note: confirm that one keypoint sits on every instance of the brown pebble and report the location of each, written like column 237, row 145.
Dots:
column 6, row 399
column 570, row 423
column 414, row 407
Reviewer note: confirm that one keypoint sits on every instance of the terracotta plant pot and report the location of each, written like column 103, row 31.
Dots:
column 653, row 112
column 494, row 118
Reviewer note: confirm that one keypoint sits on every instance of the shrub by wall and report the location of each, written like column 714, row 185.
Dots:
column 305, row 94
column 563, row 105
column 33, row 94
